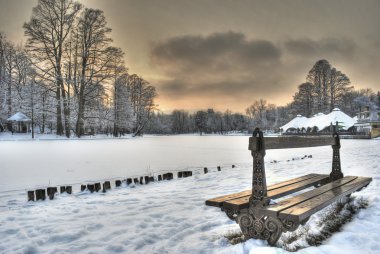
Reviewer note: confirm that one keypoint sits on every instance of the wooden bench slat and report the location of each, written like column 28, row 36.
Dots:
column 305, row 209
column 292, row 142
column 273, row 210
column 292, row 181
column 243, row 202
column 286, row 190
column 218, row 201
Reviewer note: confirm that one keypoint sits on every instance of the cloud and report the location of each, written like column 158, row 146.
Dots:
column 221, row 64
column 333, row 47
column 231, row 67
column 218, row 51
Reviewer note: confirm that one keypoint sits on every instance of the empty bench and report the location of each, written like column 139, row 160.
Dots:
column 258, row 217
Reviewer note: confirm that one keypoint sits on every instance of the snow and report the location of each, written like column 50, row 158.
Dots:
column 298, row 122
column 75, row 161
column 19, row 117
column 321, row 121
column 169, row 216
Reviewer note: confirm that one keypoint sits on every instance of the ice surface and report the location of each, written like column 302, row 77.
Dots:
column 168, row 216
column 28, row 164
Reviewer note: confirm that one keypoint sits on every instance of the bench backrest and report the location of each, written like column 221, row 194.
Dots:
column 291, row 142
column 258, row 144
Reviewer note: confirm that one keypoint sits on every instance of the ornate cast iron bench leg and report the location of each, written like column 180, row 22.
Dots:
column 252, row 223
column 231, row 213
column 260, row 227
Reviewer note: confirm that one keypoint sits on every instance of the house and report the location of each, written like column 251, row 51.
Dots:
column 320, row 122
column 369, row 121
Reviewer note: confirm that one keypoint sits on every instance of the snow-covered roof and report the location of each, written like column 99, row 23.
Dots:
column 19, row 117
column 298, row 122
column 321, row 121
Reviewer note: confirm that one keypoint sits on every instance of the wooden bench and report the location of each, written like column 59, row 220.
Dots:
column 258, row 217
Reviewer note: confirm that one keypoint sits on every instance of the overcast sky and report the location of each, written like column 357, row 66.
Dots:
column 227, row 53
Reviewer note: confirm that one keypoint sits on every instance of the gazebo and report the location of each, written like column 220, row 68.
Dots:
column 21, row 121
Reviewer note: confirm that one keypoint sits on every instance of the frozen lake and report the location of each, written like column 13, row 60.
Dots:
column 29, row 164
column 167, row 216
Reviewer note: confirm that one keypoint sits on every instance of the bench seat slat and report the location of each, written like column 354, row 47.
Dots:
column 273, row 210
column 243, row 202
column 218, row 201
column 305, row 209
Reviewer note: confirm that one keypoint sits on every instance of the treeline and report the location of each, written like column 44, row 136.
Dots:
column 69, row 77
column 202, row 121
column 325, row 89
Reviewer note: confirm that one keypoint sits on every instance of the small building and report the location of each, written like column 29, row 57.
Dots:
column 369, row 121
column 20, row 123
column 320, row 123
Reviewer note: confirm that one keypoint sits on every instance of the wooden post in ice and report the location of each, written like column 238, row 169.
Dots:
column 62, row 189
column 233, row 166
column 219, row 169
column 180, row 174
column 159, row 178
column 40, row 194
column 69, row 189
column 151, row 179
column 118, row 183
column 129, row 181
column 97, row 187
column 136, row 180
column 205, row 170
column 91, row 187
column 30, row 195
column 82, row 187
column 51, row 191
column 107, row 184
column 147, row 180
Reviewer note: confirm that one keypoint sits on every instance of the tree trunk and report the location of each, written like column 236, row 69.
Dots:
column 59, row 113
column 80, row 118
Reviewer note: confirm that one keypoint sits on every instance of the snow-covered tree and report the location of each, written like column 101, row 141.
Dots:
column 47, row 31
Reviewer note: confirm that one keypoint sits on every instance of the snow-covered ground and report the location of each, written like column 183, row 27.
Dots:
column 168, row 216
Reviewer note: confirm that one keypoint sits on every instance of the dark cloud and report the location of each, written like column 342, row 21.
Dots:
column 217, row 51
column 341, row 47
column 230, row 66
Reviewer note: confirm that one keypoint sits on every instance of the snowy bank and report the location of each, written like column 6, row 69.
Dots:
column 171, row 217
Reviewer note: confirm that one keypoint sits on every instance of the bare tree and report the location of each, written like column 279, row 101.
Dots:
column 48, row 29
column 339, row 85
column 94, row 58
column 319, row 76
column 303, row 100
column 142, row 99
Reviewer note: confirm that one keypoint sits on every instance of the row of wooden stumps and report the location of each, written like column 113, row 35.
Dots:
column 40, row 194
column 96, row 187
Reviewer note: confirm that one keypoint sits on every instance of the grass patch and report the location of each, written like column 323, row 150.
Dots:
column 235, row 237
column 340, row 214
